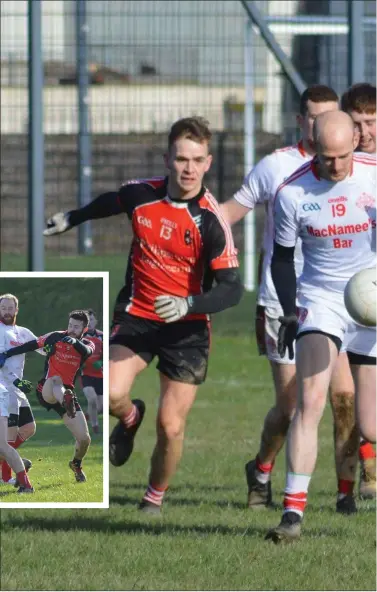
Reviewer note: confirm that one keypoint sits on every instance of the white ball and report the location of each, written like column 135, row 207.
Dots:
column 360, row 297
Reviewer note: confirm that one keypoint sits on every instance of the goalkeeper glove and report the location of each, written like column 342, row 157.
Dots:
column 98, row 364
column 171, row 308
column 23, row 385
column 287, row 335
column 70, row 340
column 57, row 224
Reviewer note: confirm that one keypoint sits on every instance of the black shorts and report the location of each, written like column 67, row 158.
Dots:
column 94, row 381
column 55, row 406
column 182, row 347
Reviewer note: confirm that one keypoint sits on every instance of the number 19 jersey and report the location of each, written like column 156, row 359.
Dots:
column 335, row 221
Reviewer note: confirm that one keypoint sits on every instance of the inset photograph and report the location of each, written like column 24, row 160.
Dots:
column 53, row 412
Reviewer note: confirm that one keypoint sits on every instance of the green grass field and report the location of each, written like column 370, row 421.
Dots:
column 44, row 306
column 50, row 450
column 206, row 538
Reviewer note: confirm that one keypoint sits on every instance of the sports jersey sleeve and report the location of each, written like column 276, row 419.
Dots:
column 286, row 223
column 109, row 204
column 258, row 183
column 219, row 249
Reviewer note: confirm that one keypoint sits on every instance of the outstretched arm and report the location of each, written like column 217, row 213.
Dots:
column 105, row 205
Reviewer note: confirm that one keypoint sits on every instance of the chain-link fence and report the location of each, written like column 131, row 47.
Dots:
column 151, row 62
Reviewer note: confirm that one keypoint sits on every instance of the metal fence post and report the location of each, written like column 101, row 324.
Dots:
column 356, row 52
column 85, row 243
column 249, row 156
column 36, row 215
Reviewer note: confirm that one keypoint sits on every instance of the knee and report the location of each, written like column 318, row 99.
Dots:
column 312, row 406
column 86, row 439
column 170, row 428
column 90, row 394
column 27, row 431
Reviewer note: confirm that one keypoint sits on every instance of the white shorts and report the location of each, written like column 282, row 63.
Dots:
column 15, row 403
column 319, row 313
column 272, row 325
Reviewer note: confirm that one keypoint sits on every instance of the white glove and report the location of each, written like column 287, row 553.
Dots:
column 57, row 224
column 171, row 308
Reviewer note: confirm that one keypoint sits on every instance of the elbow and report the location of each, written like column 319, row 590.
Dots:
column 236, row 292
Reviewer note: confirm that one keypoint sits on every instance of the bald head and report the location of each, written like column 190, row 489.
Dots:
column 335, row 140
column 333, row 128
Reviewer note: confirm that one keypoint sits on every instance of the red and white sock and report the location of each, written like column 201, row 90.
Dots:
column 131, row 418
column 154, row 494
column 263, row 470
column 6, row 471
column 23, row 479
column 296, row 493
column 345, row 488
column 366, row 450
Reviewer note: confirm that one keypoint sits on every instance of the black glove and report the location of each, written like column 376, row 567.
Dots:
column 260, row 330
column 287, row 335
column 70, row 340
column 23, row 385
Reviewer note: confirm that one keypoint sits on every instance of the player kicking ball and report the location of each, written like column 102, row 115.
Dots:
column 338, row 240
column 66, row 352
column 181, row 245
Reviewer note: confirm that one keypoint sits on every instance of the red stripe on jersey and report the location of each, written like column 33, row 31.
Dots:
column 364, row 161
column 229, row 248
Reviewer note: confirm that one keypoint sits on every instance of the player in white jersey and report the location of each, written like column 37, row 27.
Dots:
column 359, row 101
column 260, row 187
column 16, row 418
column 329, row 203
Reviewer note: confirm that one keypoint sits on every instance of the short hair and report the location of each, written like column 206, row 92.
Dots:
column 359, row 97
column 194, row 128
column 90, row 311
column 80, row 315
column 9, row 297
column 317, row 93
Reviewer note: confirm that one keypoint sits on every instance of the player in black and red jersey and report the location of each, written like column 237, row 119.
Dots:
column 181, row 244
column 66, row 353
column 92, row 372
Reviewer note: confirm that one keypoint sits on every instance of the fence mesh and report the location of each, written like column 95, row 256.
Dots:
column 151, row 62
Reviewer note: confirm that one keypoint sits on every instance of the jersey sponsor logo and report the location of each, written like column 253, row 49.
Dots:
column 188, row 239
column 337, row 199
column 311, row 207
column 334, row 229
column 169, row 223
column 143, row 221
column 15, row 343
column 365, row 200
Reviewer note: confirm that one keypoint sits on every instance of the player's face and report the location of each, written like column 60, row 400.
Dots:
column 335, row 161
column 365, row 124
column 306, row 121
column 92, row 322
column 187, row 161
column 8, row 311
column 75, row 328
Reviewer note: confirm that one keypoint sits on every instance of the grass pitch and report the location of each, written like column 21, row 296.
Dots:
column 206, row 539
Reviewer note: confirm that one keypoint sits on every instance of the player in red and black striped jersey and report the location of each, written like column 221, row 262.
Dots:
column 181, row 246
column 92, row 372
column 66, row 352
